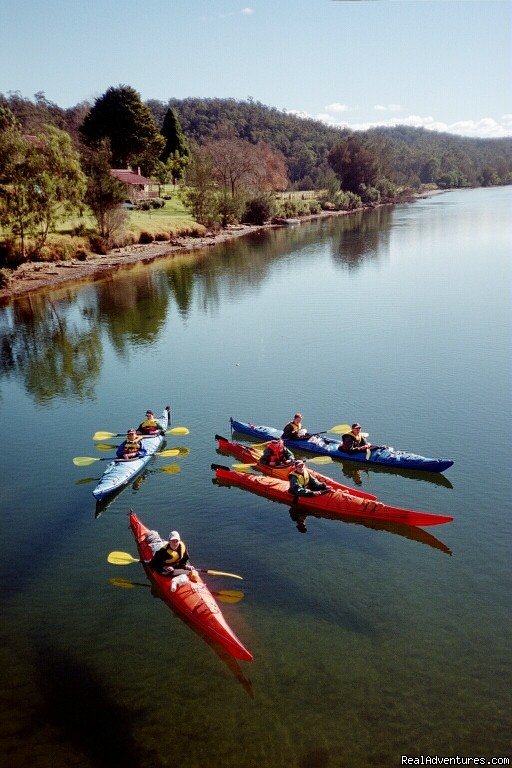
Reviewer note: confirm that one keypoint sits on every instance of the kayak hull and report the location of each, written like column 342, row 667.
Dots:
column 337, row 503
column 321, row 446
column 119, row 473
column 192, row 600
column 252, row 454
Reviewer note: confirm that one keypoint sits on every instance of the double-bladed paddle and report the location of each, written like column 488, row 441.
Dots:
column 224, row 595
column 108, row 435
column 85, row 461
column 124, row 558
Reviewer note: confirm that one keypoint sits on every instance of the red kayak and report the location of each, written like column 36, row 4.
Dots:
column 192, row 600
column 252, row 455
column 339, row 503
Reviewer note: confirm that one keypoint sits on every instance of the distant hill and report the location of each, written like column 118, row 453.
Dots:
column 415, row 155
column 412, row 155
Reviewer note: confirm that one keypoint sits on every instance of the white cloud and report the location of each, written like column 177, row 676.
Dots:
column 336, row 107
column 388, row 108
column 247, row 11
column 485, row 128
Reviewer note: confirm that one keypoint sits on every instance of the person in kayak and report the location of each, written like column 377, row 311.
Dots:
column 171, row 558
column 354, row 441
column 131, row 448
column 302, row 483
column 150, row 425
column 294, row 429
column 277, row 455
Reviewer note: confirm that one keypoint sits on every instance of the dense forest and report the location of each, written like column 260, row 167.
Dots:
column 409, row 156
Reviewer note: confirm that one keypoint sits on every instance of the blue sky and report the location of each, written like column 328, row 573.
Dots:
column 443, row 64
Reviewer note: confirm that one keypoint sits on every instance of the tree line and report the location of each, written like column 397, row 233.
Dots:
column 233, row 155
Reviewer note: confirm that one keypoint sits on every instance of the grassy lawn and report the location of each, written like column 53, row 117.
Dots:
column 173, row 217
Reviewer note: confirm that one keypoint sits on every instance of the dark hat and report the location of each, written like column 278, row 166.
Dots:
column 356, row 426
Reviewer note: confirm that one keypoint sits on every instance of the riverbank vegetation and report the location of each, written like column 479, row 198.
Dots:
column 215, row 162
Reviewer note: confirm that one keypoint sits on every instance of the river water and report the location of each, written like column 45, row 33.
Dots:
column 368, row 644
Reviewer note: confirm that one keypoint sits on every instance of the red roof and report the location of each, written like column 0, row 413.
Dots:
column 128, row 177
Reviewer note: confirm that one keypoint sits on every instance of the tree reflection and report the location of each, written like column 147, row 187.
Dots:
column 50, row 353
column 363, row 235
column 133, row 308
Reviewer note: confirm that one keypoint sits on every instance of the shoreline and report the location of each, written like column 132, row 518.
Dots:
column 38, row 276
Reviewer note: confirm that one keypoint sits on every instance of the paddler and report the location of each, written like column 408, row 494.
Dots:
column 277, row 455
column 172, row 559
column 150, row 425
column 131, row 448
column 355, row 441
column 294, row 429
column 302, row 483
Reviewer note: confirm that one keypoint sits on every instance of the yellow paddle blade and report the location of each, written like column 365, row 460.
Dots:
column 243, row 467
column 168, row 452
column 84, row 461
column 123, row 583
column 259, row 446
column 104, row 435
column 171, row 469
column 85, row 480
column 320, row 460
column 121, row 558
column 220, row 573
column 178, row 431
column 228, row 595
column 340, row 429
column 105, row 447
column 184, row 451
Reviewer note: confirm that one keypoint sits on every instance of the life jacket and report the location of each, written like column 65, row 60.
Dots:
column 302, row 479
column 149, row 426
column 295, row 427
column 357, row 438
column 175, row 555
column 131, row 446
column 276, row 449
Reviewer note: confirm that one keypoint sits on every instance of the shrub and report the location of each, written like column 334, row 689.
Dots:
column 145, row 237
column 8, row 255
column 161, row 236
column 80, row 230
column 369, row 195
column 156, row 202
column 98, row 244
column 81, row 255
column 314, row 206
column 328, row 206
column 259, row 209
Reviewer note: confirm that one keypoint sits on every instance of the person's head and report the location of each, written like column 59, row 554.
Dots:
column 356, row 427
column 299, row 465
column 174, row 539
column 297, row 418
column 131, row 434
column 150, row 415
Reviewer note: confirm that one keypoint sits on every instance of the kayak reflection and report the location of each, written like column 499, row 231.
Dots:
column 299, row 517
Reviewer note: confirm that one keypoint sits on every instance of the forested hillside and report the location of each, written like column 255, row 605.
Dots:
column 410, row 155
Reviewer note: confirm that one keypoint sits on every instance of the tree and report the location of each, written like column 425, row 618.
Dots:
column 104, row 194
column 354, row 163
column 200, row 196
column 43, row 180
column 241, row 166
column 175, row 139
column 121, row 117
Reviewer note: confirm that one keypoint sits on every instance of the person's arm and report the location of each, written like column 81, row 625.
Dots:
column 120, row 450
column 297, row 489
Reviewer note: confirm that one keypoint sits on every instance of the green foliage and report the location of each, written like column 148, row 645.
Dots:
column 5, row 278
column 127, row 123
column 200, row 195
column 355, row 162
column 259, row 209
column 369, row 195
column 176, row 143
column 104, row 194
column 43, row 180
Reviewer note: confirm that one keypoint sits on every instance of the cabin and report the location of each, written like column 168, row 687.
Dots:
column 138, row 187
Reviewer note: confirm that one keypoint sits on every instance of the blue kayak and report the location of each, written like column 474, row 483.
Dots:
column 326, row 446
column 119, row 473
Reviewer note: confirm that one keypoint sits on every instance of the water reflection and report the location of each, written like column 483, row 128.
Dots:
column 362, row 235
column 54, row 353
column 407, row 531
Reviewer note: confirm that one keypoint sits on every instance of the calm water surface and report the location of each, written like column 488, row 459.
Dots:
column 368, row 644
